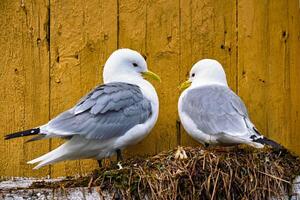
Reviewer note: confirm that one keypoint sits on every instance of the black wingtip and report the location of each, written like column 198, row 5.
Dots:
column 22, row 133
column 272, row 143
column 267, row 141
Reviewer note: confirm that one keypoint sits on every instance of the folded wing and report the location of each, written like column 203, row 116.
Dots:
column 108, row 111
column 216, row 109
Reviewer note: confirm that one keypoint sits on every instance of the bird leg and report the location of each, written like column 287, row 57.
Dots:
column 95, row 173
column 119, row 158
column 100, row 163
column 119, row 155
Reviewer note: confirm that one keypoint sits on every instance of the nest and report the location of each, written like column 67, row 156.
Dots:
column 205, row 174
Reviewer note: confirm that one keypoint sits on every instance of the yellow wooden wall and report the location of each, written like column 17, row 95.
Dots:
column 53, row 52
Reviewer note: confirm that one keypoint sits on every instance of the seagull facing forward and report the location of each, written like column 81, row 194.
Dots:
column 212, row 113
column 119, row 113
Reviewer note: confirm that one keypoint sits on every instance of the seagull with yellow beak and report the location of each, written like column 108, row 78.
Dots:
column 114, row 115
column 212, row 113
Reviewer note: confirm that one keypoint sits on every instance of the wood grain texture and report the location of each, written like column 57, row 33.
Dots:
column 24, row 80
column 266, row 56
column 53, row 52
column 293, row 49
column 252, row 64
column 162, row 49
column 132, row 33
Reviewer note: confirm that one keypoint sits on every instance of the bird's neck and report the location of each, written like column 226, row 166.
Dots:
column 128, row 78
column 204, row 81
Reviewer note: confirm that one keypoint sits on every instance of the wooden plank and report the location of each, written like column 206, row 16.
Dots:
column 252, row 59
column 293, row 43
column 83, row 35
column 24, row 83
column 162, row 49
column 152, row 29
column 132, row 24
column 24, row 80
column 277, row 75
column 208, row 30
column 132, row 34
column 267, row 73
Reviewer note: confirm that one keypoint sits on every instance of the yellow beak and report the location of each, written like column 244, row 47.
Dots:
column 149, row 74
column 185, row 85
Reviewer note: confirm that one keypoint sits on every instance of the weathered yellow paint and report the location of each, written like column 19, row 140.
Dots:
column 53, row 52
column 24, row 80
column 132, row 33
column 162, row 49
column 265, row 66
column 293, row 48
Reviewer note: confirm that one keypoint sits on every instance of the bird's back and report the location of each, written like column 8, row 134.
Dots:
column 216, row 109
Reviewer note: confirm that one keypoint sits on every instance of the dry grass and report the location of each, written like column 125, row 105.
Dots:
column 205, row 174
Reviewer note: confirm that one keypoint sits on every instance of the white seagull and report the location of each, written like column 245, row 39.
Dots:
column 212, row 113
column 119, row 113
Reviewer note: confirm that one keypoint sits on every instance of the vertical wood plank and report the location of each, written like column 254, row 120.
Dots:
column 277, row 81
column 24, row 80
column 132, row 34
column 208, row 30
column 293, row 42
column 267, row 73
column 83, row 35
column 152, row 29
column 162, row 49
column 253, row 46
column 132, row 24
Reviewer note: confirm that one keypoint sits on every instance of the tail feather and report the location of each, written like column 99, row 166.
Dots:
column 75, row 148
column 53, row 156
column 29, row 132
column 66, row 151
column 48, row 161
column 267, row 141
column 39, row 159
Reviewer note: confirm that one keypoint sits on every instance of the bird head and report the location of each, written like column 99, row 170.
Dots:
column 128, row 64
column 205, row 72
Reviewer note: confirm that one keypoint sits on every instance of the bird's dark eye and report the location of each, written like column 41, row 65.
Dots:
column 134, row 64
column 193, row 74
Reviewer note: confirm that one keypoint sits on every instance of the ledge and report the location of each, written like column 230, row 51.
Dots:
column 211, row 174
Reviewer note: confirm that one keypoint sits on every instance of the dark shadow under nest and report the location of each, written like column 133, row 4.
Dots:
column 206, row 174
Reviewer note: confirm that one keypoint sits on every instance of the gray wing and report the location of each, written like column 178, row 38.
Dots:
column 108, row 111
column 216, row 109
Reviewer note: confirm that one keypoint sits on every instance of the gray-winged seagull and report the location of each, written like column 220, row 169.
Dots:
column 212, row 113
column 119, row 113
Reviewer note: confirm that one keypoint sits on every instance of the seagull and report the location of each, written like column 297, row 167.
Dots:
column 212, row 113
column 114, row 115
